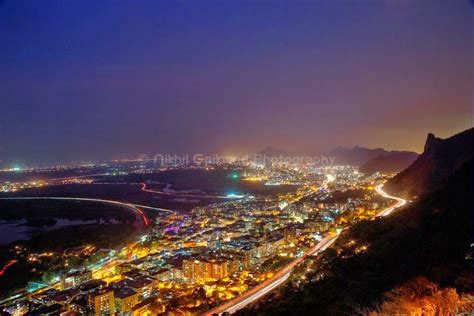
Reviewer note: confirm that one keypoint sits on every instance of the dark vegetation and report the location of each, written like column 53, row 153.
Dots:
column 43, row 212
column 217, row 181
column 430, row 239
column 113, row 228
column 439, row 160
column 341, row 197
column 126, row 188
column 123, row 192
column 101, row 236
column 18, row 176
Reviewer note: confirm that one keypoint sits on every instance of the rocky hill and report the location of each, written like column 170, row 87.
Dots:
column 430, row 240
column 439, row 160
column 395, row 161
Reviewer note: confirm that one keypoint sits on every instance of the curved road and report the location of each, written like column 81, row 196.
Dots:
column 139, row 215
column 270, row 284
column 280, row 277
column 390, row 209
column 136, row 208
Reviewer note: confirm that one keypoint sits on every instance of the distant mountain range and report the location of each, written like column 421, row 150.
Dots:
column 425, row 249
column 439, row 160
column 371, row 160
column 376, row 159
column 355, row 156
column 394, row 161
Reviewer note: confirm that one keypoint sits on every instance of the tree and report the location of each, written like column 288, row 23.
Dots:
column 48, row 277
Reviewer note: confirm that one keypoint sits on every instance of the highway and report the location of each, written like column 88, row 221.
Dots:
column 136, row 208
column 390, row 209
column 280, row 277
column 260, row 290
column 270, row 284
column 6, row 266
column 139, row 214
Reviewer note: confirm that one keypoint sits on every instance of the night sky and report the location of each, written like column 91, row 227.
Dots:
column 114, row 79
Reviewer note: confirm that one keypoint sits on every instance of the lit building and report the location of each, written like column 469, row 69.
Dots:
column 162, row 275
column 77, row 278
column 203, row 270
column 143, row 286
column 125, row 299
column 102, row 301
column 143, row 308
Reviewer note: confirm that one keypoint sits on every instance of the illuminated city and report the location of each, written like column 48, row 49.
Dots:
column 209, row 255
column 185, row 158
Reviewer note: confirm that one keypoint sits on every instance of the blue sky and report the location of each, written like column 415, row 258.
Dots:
column 109, row 79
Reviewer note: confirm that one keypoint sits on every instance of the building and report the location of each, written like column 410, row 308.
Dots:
column 66, row 296
column 162, row 275
column 79, row 305
column 205, row 269
column 143, row 308
column 91, row 286
column 47, row 310
column 75, row 279
column 102, row 301
column 125, row 299
column 143, row 286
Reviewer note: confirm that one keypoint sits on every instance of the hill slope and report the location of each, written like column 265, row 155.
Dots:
column 391, row 162
column 358, row 156
column 431, row 238
column 439, row 160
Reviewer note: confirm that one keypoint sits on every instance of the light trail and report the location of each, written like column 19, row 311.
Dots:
column 270, row 284
column 94, row 200
column 145, row 219
column 136, row 208
column 153, row 208
column 139, row 215
column 280, row 277
column 390, row 209
column 6, row 266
